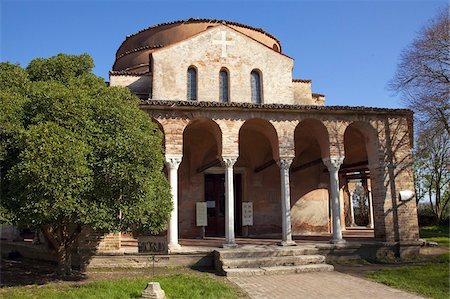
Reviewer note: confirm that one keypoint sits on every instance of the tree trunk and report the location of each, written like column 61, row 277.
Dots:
column 64, row 255
column 62, row 242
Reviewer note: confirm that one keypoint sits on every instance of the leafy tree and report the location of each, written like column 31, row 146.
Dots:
column 75, row 152
column 423, row 74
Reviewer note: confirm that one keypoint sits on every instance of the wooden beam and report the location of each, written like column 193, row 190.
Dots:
column 208, row 165
column 357, row 164
column 264, row 165
column 358, row 176
column 306, row 165
column 354, row 167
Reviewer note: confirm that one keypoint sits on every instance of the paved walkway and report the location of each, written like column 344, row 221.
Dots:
column 316, row 285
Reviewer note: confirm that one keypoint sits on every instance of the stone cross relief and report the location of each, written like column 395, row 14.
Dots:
column 224, row 43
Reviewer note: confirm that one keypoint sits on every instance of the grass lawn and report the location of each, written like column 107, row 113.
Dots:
column 175, row 286
column 430, row 279
column 436, row 233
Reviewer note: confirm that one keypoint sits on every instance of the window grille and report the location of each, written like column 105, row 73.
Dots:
column 192, row 84
column 255, row 80
column 223, row 86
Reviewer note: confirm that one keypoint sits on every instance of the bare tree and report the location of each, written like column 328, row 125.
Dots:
column 433, row 179
column 423, row 74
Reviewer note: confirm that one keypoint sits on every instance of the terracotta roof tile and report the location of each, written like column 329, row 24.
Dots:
column 128, row 73
column 302, row 80
column 139, row 49
column 299, row 108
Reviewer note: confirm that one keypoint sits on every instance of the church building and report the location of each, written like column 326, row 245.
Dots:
column 253, row 152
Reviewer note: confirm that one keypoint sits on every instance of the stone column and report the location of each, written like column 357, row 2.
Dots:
column 333, row 164
column 229, row 202
column 173, row 162
column 352, row 211
column 370, row 203
column 286, row 237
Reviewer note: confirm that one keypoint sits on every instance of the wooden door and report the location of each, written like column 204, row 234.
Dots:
column 215, row 201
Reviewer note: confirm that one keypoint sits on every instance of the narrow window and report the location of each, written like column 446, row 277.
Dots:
column 255, row 80
column 192, row 84
column 223, row 86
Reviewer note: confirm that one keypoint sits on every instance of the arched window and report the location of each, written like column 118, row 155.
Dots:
column 224, row 95
column 192, row 84
column 275, row 47
column 255, row 81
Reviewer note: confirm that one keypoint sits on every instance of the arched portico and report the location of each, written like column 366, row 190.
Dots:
column 264, row 150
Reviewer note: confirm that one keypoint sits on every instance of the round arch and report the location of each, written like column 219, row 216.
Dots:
column 309, row 180
column 204, row 137
column 361, row 154
column 360, row 141
column 311, row 133
column 259, row 135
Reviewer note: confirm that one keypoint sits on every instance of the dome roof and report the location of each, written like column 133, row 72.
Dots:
column 133, row 54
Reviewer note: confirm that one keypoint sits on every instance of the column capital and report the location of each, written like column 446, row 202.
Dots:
column 333, row 163
column 173, row 161
column 285, row 162
column 229, row 161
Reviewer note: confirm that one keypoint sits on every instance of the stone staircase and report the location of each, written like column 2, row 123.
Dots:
column 269, row 259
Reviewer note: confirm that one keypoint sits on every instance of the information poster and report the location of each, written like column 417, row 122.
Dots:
column 247, row 213
column 202, row 219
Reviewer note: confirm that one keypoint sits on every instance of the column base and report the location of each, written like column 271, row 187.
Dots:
column 338, row 241
column 229, row 245
column 287, row 243
column 173, row 247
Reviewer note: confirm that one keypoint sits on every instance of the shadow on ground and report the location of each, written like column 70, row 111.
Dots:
column 22, row 272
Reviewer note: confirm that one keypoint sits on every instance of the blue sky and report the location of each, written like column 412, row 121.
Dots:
column 349, row 49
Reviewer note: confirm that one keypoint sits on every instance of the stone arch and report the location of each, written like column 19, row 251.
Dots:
column 312, row 131
column 202, row 142
column 358, row 172
column 364, row 134
column 202, row 149
column 309, row 179
column 257, row 129
column 258, row 153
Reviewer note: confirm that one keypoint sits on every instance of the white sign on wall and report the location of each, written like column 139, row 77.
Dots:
column 247, row 213
column 202, row 219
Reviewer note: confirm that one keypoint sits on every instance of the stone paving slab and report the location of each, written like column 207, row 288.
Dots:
column 316, row 285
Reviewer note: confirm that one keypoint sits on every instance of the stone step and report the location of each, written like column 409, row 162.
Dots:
column 278, row 270
column 266, row 252
column 253, row 262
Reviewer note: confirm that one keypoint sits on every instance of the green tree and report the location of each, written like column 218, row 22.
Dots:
column 75, row 152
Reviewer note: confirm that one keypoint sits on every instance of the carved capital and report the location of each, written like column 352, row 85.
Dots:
column 173, row 161
column 333, row 163
column 229, row 161
column 285, row 163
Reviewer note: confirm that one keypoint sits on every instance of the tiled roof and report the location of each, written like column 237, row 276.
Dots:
column 299, row 108
column 128, row 73
column 139, row 49
column 201, row 20
column 302, row 80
